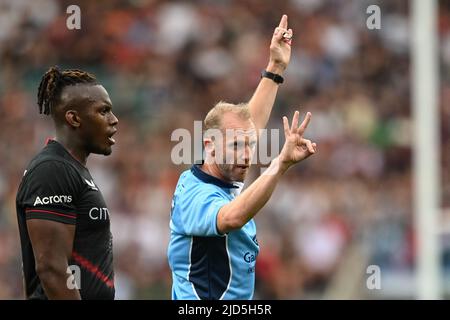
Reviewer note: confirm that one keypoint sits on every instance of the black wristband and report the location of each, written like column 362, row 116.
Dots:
column 275, row 77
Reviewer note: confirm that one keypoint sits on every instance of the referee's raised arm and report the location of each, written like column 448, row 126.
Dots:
column 262, row 101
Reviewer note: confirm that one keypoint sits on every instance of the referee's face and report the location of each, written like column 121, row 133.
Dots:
column 98, row 122
column 236, row 148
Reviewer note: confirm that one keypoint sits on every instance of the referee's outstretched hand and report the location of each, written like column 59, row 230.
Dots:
column 280, row 45
column 296, row 148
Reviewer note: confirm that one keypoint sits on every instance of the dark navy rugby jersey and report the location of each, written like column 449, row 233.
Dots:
column 57, row 187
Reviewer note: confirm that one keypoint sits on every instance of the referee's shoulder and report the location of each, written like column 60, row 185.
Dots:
column 188, row 183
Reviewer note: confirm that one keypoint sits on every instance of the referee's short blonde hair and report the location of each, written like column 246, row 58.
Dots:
column 213, row 119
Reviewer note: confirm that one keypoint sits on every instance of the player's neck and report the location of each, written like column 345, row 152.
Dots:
column 73, row 148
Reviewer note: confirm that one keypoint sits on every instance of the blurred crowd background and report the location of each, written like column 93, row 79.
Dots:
column 166, row 63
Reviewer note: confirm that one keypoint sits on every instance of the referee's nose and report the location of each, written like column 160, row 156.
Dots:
column 247, row 153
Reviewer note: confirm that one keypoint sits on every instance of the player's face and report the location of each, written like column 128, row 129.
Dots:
column 98, row 121
column 237, row 147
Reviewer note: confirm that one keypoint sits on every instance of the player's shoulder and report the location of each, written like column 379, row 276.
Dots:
column 47, row 164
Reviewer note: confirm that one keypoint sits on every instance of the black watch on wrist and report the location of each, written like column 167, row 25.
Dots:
column 275, row 77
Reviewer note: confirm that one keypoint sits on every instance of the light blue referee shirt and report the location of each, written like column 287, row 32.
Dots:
column 204, row 263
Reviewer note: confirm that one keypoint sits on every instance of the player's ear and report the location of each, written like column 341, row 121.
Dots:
column 72, row 118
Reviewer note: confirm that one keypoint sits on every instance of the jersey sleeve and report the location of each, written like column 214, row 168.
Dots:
column 196, row 212
column 50, row 192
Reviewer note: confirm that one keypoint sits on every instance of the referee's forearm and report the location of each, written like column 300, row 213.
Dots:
column 239, row 211
column 262, row 101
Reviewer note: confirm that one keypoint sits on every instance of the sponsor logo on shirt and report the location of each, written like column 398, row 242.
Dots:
column 99, row 213
column 52, row 200
column 250, row 256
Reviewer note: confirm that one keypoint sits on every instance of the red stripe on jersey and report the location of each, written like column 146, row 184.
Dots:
column 85, row 263
column 51, row 212
column 48, row 140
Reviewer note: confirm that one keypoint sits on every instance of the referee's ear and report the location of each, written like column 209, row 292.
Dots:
column 72, row 118
column 209, row 146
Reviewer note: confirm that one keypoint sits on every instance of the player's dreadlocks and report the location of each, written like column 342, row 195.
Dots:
column 52, row 83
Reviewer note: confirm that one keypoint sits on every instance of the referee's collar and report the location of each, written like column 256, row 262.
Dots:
column 207, row 178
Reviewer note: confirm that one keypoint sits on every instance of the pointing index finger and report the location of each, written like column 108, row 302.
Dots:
column 283, row 22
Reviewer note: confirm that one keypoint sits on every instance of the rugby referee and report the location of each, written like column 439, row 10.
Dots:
column 213, row 245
